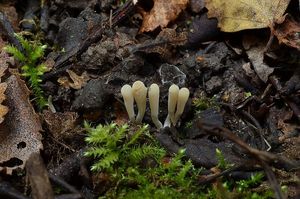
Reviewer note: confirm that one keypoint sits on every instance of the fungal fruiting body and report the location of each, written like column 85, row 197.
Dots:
column 183, row 96
column 139, row 92
column 172, row 101
column 126, row 92
column 153, row 94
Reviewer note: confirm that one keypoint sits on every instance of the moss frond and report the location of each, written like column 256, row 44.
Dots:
column 139, row 168
column 33, row 52
column 141, row 152
column 15, row 52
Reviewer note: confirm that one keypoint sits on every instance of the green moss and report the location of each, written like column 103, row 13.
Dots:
column 138, row 167
column 32, row 68
column 202, row 103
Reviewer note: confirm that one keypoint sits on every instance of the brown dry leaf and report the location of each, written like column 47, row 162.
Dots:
column 162, row 13
column 20, row 132
column 3, row 86
column 59, row 124
column 3, row 109
column 77, row 81
column 3, row 112
column 288, row 32
column 236, row 15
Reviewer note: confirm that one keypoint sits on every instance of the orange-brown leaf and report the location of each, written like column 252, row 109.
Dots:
column 76, row 82
column 162, row 13
column 288, row 32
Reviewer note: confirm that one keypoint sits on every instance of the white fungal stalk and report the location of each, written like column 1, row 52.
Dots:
column 153, row 94
column 177, row 100
column 126, row 92
column 139, row 92
column 183, row 96
column 172, row 101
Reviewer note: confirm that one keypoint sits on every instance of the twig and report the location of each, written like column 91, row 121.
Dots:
column 38, row 178
column 59, row 181
column 154, row 44
column 7, row 191
column 258, row 129
column 262, row 157
column 272, row 180
column 69, row 196
column 212, row 177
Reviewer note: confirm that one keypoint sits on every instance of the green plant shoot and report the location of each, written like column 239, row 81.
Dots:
column 31, row 67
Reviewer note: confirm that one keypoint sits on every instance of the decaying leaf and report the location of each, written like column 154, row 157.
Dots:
column 3, row 109
column 59, row 124
column 236, row 15
column 288, row 32
column 3, row 86
column 286, row 127
column 255, row 50
column 77, row 81
column 162, row 13
column 20, row 132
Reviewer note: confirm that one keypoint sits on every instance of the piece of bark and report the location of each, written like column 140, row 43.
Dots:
column 38, row 178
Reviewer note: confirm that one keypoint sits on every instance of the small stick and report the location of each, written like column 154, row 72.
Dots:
column 59, row 181
column 38, row 178
column 7, row 191
column 69, row 196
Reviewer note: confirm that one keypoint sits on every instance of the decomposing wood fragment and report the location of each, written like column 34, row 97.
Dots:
column 38, row 178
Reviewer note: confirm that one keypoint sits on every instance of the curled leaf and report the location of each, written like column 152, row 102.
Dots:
column 77, row 81
column 288, row 32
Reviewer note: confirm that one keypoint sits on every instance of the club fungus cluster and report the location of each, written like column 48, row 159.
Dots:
column 177, row 99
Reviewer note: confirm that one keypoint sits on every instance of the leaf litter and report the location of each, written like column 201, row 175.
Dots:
column 3, row 85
